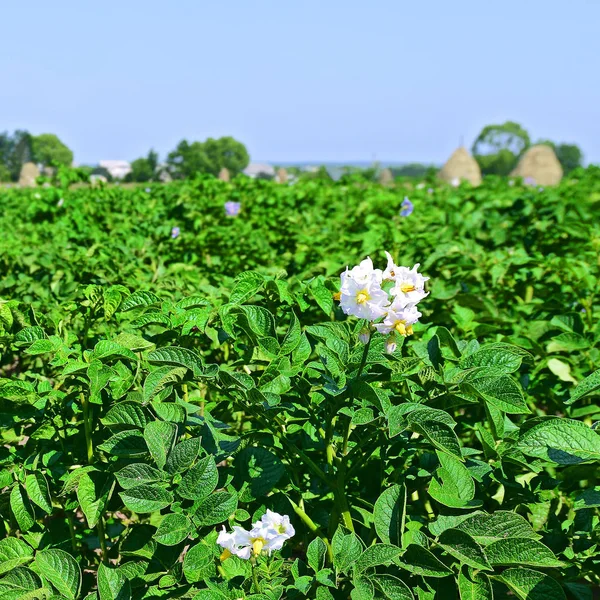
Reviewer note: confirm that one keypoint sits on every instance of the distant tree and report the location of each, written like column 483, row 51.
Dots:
column 208, row 157
column 569, row 156
column 498, row 147
column 412, row 170
column 15, row 151
column 47, row 149
column 144, row 169
column 103, row 172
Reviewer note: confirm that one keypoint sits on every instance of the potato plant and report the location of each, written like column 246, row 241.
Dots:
column 198, row 416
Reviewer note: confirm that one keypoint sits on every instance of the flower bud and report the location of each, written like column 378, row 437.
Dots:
column 364, row 336
column 391, row 345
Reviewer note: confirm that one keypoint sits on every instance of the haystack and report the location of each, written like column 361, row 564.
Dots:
column 224, row 174
column 29, row 173
column 539, row 164
column 386, row 178
column 461, row 165
column 282, row 175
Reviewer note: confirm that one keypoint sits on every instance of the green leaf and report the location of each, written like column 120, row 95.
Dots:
column 200, row 480
column 21, row 508
column 420, row 561
column 107, row 349
column 589, row 385
column 389, row 514
column 487, row 528
column 128, row 443
column 38, row 491
column 146, row 498
column 173, row 529
column 563, row 441
column 502, row 393
column 138, row 299
column 61, row 569
column 260, row 320
column 260, row 468
column 501, row 357
column 126, row 415
column 247, row 284
column 588, row 499
column 112, row 585
column 474, row 586
column 215, row 509
column 440, row 434
column 160, row 437
column 393, row 588
column 521, row 551
column 453, row 485
column 561, row 369
column 199, row 563
column 174, row 355
column 170, row 411
column 13, row 552
column 378, row 554
column 22, row 584
column 135, row 343
column 528, row 584
column 183, row 455
column 346, row 550
column 315, row 554
column 464, row 548
column 137, row 474
column 99, row 376
column 93, row 492
column 161, row 378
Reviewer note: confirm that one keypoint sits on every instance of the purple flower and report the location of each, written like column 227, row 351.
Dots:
column 175, row 232
column 540, row 189
column 147, row 190
column 407, row 208
column 430, row 191
column 232, row 209
column 529, row 181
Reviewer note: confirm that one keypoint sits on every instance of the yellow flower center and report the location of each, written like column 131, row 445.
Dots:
column 225, row 555
column 337, row 296
column 257, row 545
column 406, row 287
column 400, row 327
column 280, row 528
column 362, row 297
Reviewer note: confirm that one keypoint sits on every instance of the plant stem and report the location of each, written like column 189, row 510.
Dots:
column 312, row 526
column 184, row 387
column 87, row 427
column 102, row 538
column 72, row 531
column 255, row 577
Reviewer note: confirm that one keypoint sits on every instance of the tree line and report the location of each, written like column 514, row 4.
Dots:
column 497, row 150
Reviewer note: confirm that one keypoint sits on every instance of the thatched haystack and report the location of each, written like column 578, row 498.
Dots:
column 282, row 175
column 224, row 174
column 386, row 178
column 461, row 165
column 29, row 174
column 539, row 164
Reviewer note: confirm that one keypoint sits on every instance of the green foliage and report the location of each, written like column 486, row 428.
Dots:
column 210, row 156
column 497, row 148
column 143, row 169
column 155, row 389
column 15, row 151
column 47, row 149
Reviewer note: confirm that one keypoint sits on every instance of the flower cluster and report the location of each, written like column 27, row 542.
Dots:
column 232, row 209
column 266, row 535
column 406, row 207
column 387, row 297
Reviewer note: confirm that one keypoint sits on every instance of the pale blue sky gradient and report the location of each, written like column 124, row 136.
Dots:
column 309, row 80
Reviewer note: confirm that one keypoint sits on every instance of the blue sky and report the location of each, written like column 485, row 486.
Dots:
column 298, row 80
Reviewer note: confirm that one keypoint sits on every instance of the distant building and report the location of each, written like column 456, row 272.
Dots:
column 259, row 170
column 118, row 169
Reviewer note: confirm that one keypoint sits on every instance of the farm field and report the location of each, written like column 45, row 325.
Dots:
column 174, row 364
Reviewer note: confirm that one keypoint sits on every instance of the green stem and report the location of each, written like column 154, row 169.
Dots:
column 312, row 526
column 102, row 538
column 255, row 577
column 87, row 427
column 185, row 392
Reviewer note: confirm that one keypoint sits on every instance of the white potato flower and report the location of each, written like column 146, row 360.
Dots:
column 363, row 300
column 399, row 319
column 267, row 535
column 362, row 273
column 409, row 286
